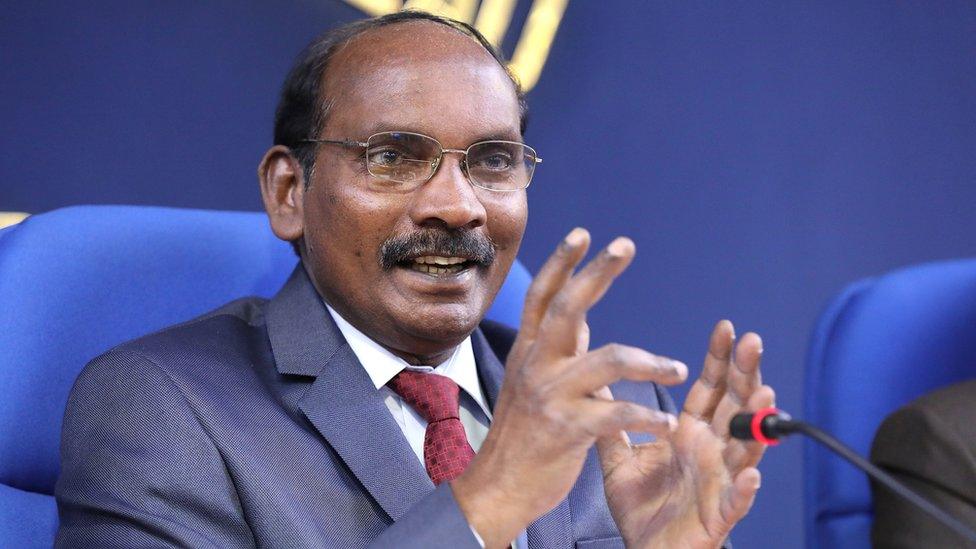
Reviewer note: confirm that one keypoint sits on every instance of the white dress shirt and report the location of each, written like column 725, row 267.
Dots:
column 382, row 366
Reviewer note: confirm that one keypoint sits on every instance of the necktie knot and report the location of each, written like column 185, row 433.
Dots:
column 433, row 396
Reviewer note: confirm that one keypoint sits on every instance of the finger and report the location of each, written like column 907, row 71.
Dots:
column 739, row 496
column 614, row 362
column 567, row 309
column 551, row 278
column 711, row 477
column 602, row 418
column 614, row 448
column 583, row 339
column 743, row 380
column 745, row 377
column 603, row 393
column 708, row 389
column 740, row 454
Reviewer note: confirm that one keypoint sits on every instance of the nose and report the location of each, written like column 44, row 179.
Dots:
column 448, row 199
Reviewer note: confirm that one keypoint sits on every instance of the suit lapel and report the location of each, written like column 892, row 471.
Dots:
column 555, row 528
column 342, row 402
column 490, row 369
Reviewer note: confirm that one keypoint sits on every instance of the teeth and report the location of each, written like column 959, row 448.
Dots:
column 439, row 260
column 437, row 270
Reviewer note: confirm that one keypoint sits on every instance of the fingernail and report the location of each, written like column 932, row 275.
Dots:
column 731, row 327
column 672, row 423
column 620, row 246
column 680, row 368
column 575, row 237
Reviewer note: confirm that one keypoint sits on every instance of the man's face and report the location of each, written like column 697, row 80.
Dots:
column 425, row 78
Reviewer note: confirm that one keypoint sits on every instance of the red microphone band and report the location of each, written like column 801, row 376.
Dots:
column 756, row 426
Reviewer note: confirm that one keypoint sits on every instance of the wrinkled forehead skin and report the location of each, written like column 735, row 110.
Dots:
column 374, row 83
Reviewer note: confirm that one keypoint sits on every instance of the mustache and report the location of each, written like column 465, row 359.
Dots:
column 465, row 243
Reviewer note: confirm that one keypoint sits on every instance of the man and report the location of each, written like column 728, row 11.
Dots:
column 315, row 419
column 940, row 430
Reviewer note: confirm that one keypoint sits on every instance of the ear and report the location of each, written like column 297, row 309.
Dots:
column 283, row 191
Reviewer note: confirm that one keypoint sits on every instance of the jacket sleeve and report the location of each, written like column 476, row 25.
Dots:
column 138, row 468
column 436, row 521
column 920, row 448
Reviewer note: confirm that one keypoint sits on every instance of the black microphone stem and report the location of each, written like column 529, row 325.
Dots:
column 882, row 477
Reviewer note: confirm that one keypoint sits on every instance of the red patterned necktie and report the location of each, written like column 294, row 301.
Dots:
column 435, row 398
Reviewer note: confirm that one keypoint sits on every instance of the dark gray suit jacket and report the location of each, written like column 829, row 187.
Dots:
column 256, row 425
column 930, row 445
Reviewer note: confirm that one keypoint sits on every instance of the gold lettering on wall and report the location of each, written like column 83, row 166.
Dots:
column 374, row 8
column 11, row 218
column 492, row 18
column 461, row 10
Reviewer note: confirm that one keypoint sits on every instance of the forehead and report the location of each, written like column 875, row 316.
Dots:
column 419, row 76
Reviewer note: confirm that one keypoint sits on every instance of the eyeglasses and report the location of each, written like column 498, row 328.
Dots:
column 408, row 160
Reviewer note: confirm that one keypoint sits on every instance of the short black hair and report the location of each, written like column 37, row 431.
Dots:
column 302, row 110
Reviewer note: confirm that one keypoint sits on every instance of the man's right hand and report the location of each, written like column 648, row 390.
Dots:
column 547, row 418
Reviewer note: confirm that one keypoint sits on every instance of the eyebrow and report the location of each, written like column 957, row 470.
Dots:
column 497, row 135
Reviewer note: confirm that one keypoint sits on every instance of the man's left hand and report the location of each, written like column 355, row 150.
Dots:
column 690, row 488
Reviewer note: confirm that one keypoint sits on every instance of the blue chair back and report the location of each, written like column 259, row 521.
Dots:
column 77, row 281
column 881, row 343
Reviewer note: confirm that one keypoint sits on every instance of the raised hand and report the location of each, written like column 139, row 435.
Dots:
column 547, row 416
column 690, row 488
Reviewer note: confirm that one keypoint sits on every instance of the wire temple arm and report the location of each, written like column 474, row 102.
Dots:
column 343, row 142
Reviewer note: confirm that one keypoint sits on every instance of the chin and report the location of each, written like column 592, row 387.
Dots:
column 443, row 323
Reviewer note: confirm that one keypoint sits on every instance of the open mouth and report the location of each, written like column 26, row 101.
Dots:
column 436, row 265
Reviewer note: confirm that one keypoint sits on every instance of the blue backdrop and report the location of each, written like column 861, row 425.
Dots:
column 761, row 154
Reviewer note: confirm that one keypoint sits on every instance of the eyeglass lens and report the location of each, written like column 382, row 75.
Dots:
column 405, row 157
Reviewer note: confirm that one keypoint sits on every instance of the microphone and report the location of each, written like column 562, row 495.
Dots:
column 766, row 426
column 770, row 424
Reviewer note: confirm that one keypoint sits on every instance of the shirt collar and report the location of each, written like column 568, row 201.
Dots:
column 382, row 365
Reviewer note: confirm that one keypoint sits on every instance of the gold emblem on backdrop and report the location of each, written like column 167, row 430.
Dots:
column 492, row 18
column 11, row 218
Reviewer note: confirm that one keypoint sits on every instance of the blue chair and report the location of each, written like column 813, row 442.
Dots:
column 881, row 343
column 77, row 281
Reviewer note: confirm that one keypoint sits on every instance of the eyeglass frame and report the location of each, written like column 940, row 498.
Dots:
column 437, row 162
